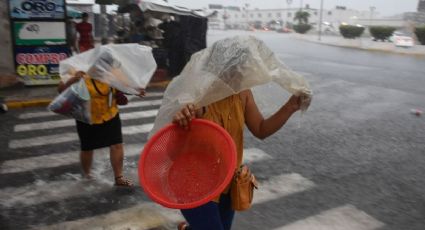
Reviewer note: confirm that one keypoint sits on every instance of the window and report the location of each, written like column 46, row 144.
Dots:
column 289, row 14
column 315, row 13
column 259, row 15
column 251, row 15
column 236, row 16
column 278, row 15
column 270, row 15
column 329, row 12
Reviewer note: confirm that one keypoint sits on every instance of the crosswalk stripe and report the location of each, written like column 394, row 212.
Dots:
column 346, row 217
column 43, row 140
column 68, row 137
column 254, row 154
column 129, row 105
column 59, row 159
column 25, row 195
column 71, row 122
column 42, row 191
column 142, row 217
column 136, row 129
column 280, row 186
column 36, row 115
column 142, row 104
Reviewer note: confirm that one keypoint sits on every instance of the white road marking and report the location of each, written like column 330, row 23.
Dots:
column 60, row 159
column 67, row 158
column 141, row 104
column 68, row 137
column 71, row 122
column 129, row 105
column 142, row 216
column 42, row 191
column 280, row 186
column 254, row 154
column 346, row 217
column 42, row 140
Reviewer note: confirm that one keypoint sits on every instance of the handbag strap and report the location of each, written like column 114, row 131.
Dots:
column 97, row 89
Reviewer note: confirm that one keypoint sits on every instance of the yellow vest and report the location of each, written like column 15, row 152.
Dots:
column 101, row 109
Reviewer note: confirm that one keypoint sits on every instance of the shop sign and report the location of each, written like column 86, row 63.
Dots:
column 36, row 9
column 39, row 65
column 39, row 33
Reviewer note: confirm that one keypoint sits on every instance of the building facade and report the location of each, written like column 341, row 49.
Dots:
column 421, row 6
column 234, row 17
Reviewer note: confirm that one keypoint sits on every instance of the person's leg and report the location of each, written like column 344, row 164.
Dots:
column 86, row 159
column 116, row 154
column 204, row 217
column 226, row 211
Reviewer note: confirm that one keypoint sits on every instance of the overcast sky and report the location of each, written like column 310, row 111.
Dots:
column 384, row 7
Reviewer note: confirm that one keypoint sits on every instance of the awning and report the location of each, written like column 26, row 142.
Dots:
column 159, row 6
column 72, row 12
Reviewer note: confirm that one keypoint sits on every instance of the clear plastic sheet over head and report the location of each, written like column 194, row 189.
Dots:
column 126, row 67
column 228, row 67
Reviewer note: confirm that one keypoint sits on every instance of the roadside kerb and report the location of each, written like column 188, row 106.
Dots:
column 373, row 49
column 40, row 102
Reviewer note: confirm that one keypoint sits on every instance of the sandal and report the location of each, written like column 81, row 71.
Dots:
column 183, row 226
column 120, row 181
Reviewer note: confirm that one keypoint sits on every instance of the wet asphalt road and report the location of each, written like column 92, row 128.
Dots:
column 358, row 143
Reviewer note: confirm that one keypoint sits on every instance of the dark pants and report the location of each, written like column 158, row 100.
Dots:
column 211, row 216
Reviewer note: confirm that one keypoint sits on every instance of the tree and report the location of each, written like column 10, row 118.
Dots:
column 302, row 17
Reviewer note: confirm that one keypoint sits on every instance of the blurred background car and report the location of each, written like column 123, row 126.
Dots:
column 401, row 39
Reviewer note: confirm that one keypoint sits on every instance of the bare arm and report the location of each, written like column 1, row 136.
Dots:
column 260, row 127
column 62, row 86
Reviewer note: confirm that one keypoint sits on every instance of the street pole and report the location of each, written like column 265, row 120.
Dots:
column 372, row 8
column 289, row 10
column 104, row 24
column 320, row 20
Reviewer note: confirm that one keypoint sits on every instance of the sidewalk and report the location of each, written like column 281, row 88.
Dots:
column 21, row 96
column 364, row 44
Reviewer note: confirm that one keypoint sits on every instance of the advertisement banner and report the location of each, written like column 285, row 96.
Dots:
column 36, row 9
column 40, row 65
column 39, row 33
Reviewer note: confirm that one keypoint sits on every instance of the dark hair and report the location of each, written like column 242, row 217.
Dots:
column 84, row 15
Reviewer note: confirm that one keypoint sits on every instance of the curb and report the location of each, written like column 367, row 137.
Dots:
column 27, row 103
column 18, row 104
column 420, row 55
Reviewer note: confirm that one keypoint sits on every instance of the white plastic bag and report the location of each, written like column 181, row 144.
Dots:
column 228, row 67
column 126, row 67
column 73, row 102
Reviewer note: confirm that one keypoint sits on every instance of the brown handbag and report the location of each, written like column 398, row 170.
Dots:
column 242, row 189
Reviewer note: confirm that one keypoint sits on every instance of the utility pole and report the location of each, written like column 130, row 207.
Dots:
column 289, row 10
column 372, row 8
column 320, row 19
column 104, row 24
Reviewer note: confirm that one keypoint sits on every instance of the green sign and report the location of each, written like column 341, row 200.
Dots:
column 39, row 33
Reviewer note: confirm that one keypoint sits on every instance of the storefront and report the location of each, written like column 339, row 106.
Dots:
column 174, row 33
column 38, row 30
